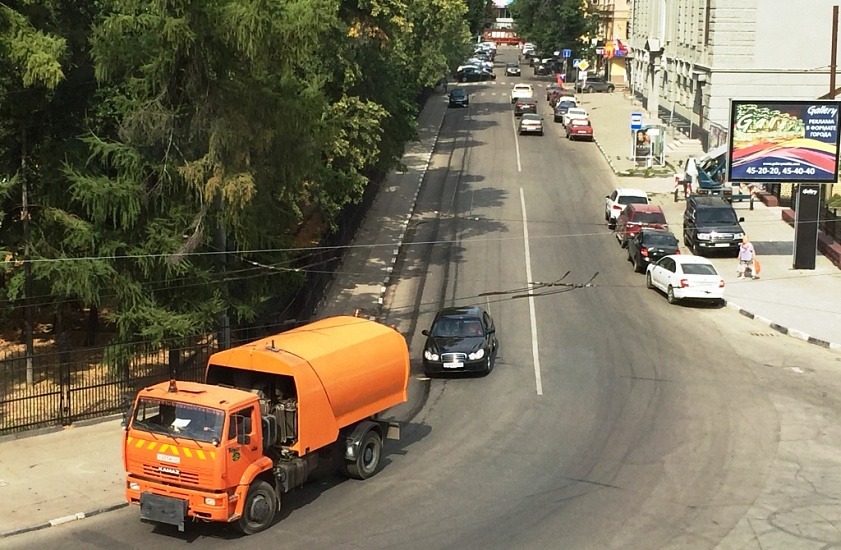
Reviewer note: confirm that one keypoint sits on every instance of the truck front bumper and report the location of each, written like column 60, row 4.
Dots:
column 161, row 503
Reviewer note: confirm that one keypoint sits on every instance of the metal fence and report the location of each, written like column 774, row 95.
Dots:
column 72, row 385
column 830, row 223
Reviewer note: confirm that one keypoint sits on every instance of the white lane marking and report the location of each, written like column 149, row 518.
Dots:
column 532, row 315
column 517, row 146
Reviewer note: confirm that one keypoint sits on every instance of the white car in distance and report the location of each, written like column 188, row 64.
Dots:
column 521, row 91
column 684, row 276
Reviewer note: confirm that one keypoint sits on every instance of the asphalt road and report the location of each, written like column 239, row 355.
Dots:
column 612, row 419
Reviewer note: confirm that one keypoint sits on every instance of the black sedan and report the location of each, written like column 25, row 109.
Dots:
column 459, row 98
column 474, row 74
column 462, row 339
column 523, row 106
column 649, row 245
column 512, row 69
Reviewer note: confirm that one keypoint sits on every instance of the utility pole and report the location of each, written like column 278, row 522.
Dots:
column 220, row 246
column 833, row 55
column 27, row 265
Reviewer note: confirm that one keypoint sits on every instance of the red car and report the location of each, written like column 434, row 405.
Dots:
column 579, row 128
column 636, row 217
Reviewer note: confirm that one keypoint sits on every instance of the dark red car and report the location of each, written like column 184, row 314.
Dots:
column 579, row 128
column 636, row 217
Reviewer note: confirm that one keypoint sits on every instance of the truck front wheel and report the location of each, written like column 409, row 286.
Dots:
column 259, row 510
column 367, row 458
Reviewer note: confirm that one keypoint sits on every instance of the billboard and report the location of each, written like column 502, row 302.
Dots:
column 783, row 141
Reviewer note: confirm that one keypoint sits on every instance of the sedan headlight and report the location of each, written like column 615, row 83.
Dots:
column 429, row 356
column 704, row 236
column 476, row 354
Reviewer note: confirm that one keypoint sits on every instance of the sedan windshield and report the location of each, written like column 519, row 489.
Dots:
column 631, row 199
column 178, row 419
column 457, row 327
column 660, row 240
column 699, row 269
column 649, row 217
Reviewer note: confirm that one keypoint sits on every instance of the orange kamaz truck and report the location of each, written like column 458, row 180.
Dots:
column 271, row 414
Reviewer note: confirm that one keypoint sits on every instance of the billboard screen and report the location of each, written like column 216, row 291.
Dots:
column 783, row 141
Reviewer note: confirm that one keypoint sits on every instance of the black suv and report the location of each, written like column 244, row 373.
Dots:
column 710, row 223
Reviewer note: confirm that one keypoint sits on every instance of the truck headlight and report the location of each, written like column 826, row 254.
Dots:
column 704, row 236
column 210, row 501
column 430, row 356
column 476, row 354
column 133, row 485
column 738, row 235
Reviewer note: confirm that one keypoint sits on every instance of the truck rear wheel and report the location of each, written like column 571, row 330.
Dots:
column 367, row 458
column 259, row 510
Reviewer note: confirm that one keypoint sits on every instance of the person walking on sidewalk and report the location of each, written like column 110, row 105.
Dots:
column 747, row 255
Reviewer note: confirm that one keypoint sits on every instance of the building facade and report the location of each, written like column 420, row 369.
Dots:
column 612, row 38
column 691, row 57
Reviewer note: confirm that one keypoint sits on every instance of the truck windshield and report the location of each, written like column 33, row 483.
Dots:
column 178, row 419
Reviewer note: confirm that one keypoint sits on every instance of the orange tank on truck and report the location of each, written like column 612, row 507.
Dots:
column 269, row 415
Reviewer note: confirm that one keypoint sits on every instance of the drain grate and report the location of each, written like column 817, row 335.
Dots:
column 764, row 334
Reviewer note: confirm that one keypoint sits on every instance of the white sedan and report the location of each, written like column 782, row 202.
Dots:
column 683, row 276
column 575, row 113
column 616, row 202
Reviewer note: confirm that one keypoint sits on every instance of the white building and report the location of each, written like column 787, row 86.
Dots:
column 690, row 57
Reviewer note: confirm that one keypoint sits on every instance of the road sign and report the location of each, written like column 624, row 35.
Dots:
column 636, row 121
column 583, row 65
column 575, row 62
column 567, row 53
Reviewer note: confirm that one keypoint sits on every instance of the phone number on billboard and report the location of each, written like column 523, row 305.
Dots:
column 776, row 171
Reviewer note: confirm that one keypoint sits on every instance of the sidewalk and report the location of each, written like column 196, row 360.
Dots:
column 797, row 302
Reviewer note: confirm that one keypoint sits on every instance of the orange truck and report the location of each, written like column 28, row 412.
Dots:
column 270, row 414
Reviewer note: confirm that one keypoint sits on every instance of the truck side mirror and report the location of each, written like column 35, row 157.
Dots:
column 128, row 412
column 425, row 332
column 741, row 220
column 243, row 426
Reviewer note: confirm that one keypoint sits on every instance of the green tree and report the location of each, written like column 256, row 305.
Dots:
column 554, row 24
column 481, row 14
column 46, row 89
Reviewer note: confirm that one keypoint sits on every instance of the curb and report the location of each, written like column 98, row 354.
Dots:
column 606, row 156
column 62, row 520
column 398, row 245
column 794, row 333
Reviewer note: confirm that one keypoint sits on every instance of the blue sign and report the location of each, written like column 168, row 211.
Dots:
column 566, row 53
column 575, row 62
column 636, row 121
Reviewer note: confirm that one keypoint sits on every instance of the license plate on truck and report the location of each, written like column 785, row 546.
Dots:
column 453, row 365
